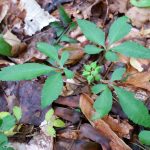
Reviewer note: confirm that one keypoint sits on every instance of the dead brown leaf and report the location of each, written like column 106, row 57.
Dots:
column 143, row 18
column 93, row 134
column 76, row 53
column 122, row 129
column 118, row 6
column 68, row 114
column 116, row 143
column 140, row 80
column 17, row 46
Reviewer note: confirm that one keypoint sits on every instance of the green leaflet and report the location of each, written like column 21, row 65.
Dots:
column 48, row 50
column 3, row 139
column 58, row 123
column 103, row 103
column 132, row 49
column 64, row 57
column 49, row 115
column 118, row 74
column 8, row 122
column 92, row 32
column 52, row 89
column 5, row 48
column 26, row 71
column 133, row 108
column 69, row 74
column 66, row 38
column 17, row 112
column 98, row 88
column 119, row 29
column 64, row 16
column 144, row 137
column 50, row 131
column 58, row 27
column 91, row 49
column 140, row 3
column 111, row 56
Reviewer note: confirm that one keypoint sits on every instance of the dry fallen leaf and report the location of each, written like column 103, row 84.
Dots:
column 118, row 6
column 143, row 16
column 76, row 53
column 4, row 7
column 136, row 64
column 36, row 18
column 116, row 143
column 122, row 129
column 141, row 80
column 17, row 46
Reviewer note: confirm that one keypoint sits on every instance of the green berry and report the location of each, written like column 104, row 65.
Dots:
column 90, row 79
column 86, row 73
column 87, row 67
column 93, row 65
column 97, row 77
column 98, row 69
column 94, row 73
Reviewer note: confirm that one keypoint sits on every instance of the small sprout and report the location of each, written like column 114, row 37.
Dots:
column 91, row 72
column 50, row 122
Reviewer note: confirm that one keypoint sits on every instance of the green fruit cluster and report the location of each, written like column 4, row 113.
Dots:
column 92, row 72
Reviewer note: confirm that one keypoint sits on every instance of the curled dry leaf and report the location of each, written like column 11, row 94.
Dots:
column 17, row 46
column 70, row 101
column 65, row 144
column 69, row 134
column 93, row 134
column 4, row 7
column 136, row 64
column 68, row 114
column 76, row 53
column 140, row 80
column 122, row 129
column 143, row 18
column 86, row 105
column 32, row 52
column 118, row 6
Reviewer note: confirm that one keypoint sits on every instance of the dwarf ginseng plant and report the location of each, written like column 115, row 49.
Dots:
column 54, row 84
column 134, row 108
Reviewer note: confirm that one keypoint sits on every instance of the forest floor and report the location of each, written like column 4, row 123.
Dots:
column 23, row 25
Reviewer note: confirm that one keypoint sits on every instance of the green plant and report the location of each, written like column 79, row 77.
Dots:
column 7, row 125
column 134, row 108
column 29, row 71
column 144, row 137
column 50, row 122
column 62, row 27
column 91, row 72
column 140, row 3
column 54, row 84
column 5, row 48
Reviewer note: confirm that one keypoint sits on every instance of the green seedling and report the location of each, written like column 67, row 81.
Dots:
column 51, row 121
column 7, row 125
column 54, row 84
